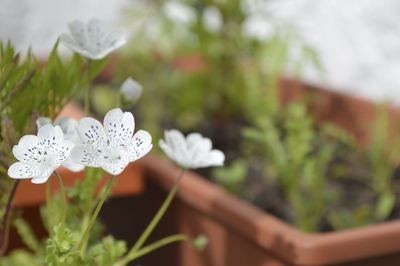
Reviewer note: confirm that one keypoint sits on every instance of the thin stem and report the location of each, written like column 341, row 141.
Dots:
column 83, row 242
column 48, row 197
column 152, row 247
column 6, row 219
column 87, row 92
column 64, row 196
column 156, row 219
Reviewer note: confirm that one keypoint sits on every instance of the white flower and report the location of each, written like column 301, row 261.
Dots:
column 69, row 127
column 38, row 156
column 113, row 146
column 131, row 90
column 193, row 152
column 91, row 40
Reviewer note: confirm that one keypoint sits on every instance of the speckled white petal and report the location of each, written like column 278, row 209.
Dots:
column 166, row 149
column 119, row 127
column 20, row 170
column 26, row 151
column 92, row 133
column 176, row 141
column 77, row 46
column 73, row 166
column 140, row 145
column 114, row 40
column 42, row 177
column 85, row 155
column 63, row 151
column 78, row 31
column 50, row 133
column 115, row 168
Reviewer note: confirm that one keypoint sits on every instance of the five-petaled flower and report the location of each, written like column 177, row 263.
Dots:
column 194, row 151
column 112, row 146
column 91, row 39
column 131, row 90
column 69, row 127
column 39, row 156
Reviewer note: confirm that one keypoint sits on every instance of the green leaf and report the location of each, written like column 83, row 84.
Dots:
column 26, row 234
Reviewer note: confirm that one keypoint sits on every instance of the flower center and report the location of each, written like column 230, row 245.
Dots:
column 112, row 155
column 48, row 162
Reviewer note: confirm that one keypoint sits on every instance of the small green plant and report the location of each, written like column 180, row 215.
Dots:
column 233, row 177
column 294, row 159
column 380, row 158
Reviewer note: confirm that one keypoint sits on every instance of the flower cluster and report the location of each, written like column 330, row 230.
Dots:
column 111, row 146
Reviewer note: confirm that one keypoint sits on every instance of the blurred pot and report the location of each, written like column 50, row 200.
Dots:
column 241, row 234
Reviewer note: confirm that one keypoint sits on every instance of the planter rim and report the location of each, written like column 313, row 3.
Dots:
column 269, row 232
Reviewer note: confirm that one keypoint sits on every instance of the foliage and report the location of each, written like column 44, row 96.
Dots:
column 380, row 159
column 29, row 88
column 198, row 72
column 298, row 158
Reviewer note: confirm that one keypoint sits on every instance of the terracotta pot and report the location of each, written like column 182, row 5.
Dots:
column 354, row 114
column 241, row 234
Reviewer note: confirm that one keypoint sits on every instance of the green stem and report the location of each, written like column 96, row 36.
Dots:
column 156, row 219
column 152, row 247
column 5, row 229
column 83, row 242
column 48, row 198
column 87, row 92
column 64, row 196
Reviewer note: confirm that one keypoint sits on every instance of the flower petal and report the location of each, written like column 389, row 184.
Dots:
column 197, row 142
column 76, row 46
column 69, row 127
column 115, row 168
column 26, row 151
column 78, row 31
column 214, row 158
column 42, row 177
column 73, row 166
column 92, row 133
column 20, row 170
column 119, row 127
column 63, row 151
column 140, row 145
column 85, row 155
column 52, row 134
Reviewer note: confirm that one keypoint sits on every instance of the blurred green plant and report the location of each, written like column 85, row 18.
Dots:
column 381, row 161
column 200, row 71
column 298, row 159
column 29, row 88
column 233, row 177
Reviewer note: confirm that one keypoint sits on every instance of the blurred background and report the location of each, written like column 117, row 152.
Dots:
column 267, row 81
column 357, row 41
